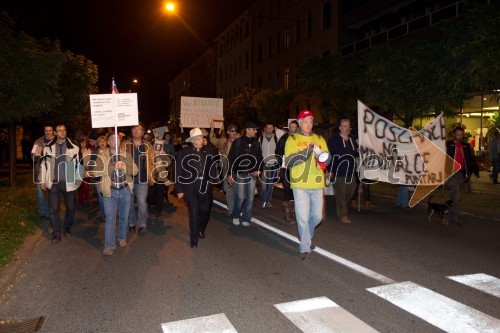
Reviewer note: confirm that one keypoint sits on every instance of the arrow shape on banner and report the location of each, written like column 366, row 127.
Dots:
column 438, row 167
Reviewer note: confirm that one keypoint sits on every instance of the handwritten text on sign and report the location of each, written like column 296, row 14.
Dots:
column 200, row 111
column 109, row 110
column 388, row 153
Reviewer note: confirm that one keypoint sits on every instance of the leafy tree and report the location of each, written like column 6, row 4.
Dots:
column 331, row 84
column 240, row 110
column 30, row 80
column 78, row 80
column 472, row 43
column 271, row 105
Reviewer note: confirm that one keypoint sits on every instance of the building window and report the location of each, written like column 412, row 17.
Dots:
column 270, row 47
column 259, row 53
column 278, row 7
column 297, row 31
column 287, row 37
column 309, row 25
column 278, row 79
column 327, row 15
column 278, row 43
column 287, row 78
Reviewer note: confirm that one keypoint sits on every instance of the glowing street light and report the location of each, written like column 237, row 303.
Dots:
column 170, row 6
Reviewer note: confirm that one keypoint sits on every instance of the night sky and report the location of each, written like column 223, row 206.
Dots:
column 130, row 38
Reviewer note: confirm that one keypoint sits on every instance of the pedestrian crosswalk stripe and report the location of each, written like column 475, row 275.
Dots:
column 214, row 324
column 358, row 268
column 436, row 309
column 486, row 283
column 322, row 315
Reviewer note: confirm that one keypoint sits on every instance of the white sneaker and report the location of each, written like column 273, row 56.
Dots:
column 122, row 243
column 245, row 224
column 236, row 221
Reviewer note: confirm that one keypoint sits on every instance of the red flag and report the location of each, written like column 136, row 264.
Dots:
column 114, row 88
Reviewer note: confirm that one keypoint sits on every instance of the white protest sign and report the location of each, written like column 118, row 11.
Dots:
column 110, row 110
column 200, row 111
column 381, row 142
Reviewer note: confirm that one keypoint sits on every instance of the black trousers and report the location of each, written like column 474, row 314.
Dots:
column 55, row 193
column 159, row 189
column 199, row 208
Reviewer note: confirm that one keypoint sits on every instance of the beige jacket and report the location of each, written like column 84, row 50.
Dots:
column 104, row 168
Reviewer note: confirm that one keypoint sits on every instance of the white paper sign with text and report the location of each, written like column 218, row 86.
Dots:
column 110, row 110
column 200, row 111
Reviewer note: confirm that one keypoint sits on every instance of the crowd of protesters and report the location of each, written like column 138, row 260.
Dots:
column 124, row 172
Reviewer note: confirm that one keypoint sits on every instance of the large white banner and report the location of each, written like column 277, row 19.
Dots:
column 200, row 111
column 388, row 152
column 110, row 110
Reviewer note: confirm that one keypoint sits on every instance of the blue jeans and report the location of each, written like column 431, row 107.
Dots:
column 97, row 187
column 309, row 212
column 41, row 203
column 403, row 197
column 141, row 193
column 244, row 187
column 119, row 201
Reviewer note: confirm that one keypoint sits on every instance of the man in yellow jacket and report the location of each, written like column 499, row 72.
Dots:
column 307, row 178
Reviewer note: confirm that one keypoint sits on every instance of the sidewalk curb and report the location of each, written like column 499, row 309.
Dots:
column 468, row 213
column 10, row 272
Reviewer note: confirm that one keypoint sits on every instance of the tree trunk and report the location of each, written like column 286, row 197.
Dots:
column 12, row 155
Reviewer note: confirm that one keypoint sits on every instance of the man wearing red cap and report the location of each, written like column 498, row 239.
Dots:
column 307, row 178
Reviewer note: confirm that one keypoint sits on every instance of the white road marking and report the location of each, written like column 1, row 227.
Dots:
column 210, row 324
column 436, row 309
column 321, row 315
column 358, row 268
column 486, row 283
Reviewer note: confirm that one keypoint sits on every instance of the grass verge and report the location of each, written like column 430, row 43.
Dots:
column 18, row 216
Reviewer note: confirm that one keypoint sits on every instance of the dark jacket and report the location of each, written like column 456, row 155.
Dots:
column 280, row 147
column 189, row 166
column 245, row 155
column 470, row 166
column 343, row 154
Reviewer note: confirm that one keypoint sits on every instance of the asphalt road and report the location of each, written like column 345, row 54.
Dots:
column 244, row 272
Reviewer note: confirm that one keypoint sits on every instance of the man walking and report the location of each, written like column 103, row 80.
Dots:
column 36, row 153
column 223, row 145
column 143, row 154
column 268, row 142
column 461, row 152
column 307, row 179
column 61, row 175
column 194, row 174
column 245, row 157
column 344, row 150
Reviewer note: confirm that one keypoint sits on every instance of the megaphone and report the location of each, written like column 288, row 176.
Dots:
column 321, row 155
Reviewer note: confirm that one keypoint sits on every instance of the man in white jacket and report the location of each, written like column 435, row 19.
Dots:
column 61, row 174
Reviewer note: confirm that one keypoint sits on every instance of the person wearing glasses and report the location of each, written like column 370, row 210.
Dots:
column 223, row 145
column 245, row 159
